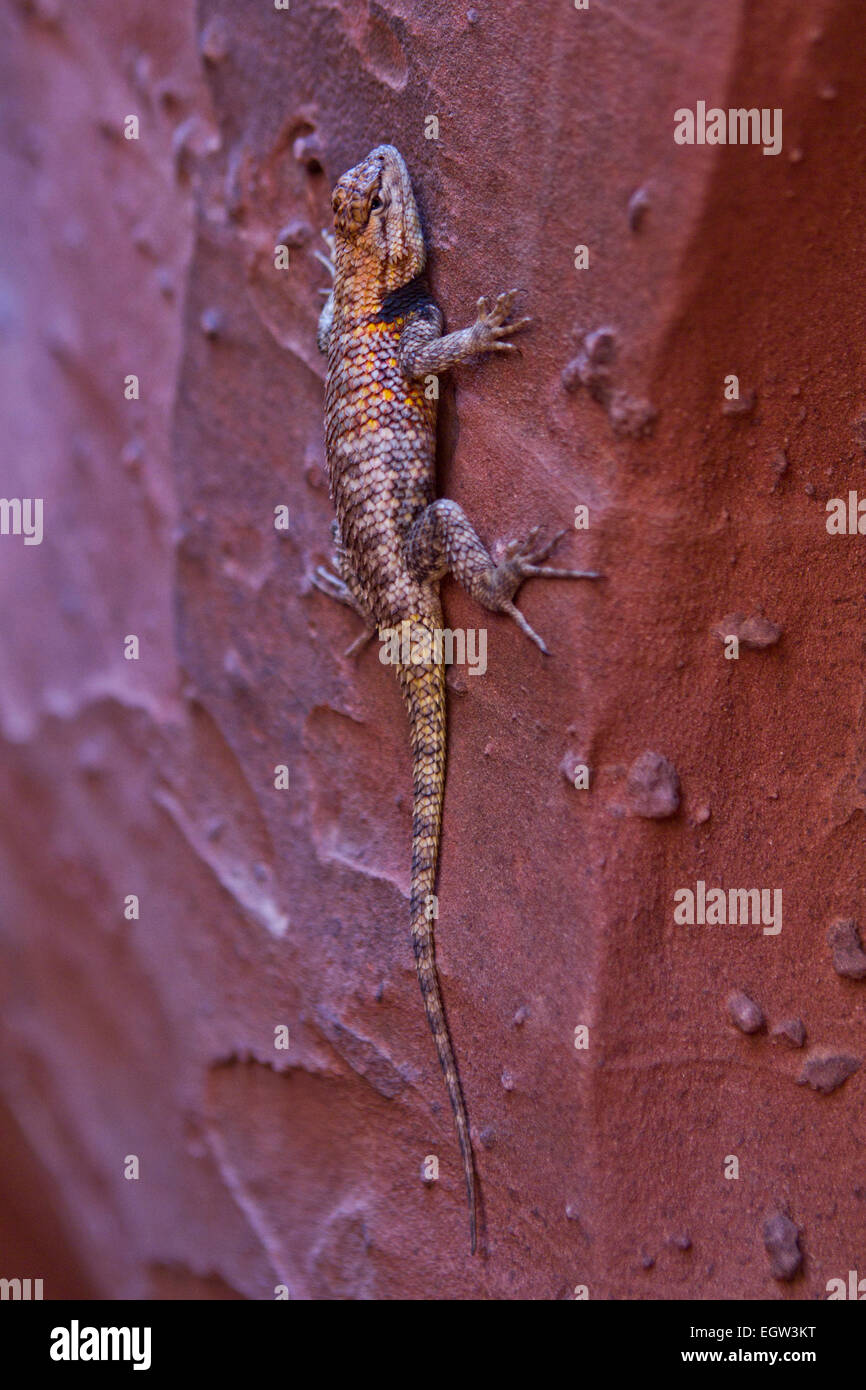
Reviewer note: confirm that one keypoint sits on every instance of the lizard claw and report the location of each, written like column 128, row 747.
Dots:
column 327, row 261
column 513, row 326
column 360, row 642
column 329, row 583
column 502, row 307
column 514, row 547
column 518, row 617
column 493, row 324
column 549, row 572
column 527, row 560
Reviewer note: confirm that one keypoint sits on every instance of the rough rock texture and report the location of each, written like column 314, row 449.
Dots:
column 264, row 910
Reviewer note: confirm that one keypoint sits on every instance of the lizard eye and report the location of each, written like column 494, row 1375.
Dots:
column 376, row 204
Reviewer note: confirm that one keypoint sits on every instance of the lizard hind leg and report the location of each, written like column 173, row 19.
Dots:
column 443, row 539
column 340, row 588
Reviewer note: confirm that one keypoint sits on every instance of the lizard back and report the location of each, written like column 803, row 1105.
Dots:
column 393, row 539
column 380, row 433
column 380, row 428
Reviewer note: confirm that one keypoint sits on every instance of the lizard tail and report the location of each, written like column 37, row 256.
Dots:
column 423, row 688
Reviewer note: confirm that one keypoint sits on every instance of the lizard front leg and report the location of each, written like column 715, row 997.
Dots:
column 444, row 540
column 424, row 351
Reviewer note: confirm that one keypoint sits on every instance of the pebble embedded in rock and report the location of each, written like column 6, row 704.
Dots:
column 849, row 958
column 780, row 465
column 638, row 206
column 571, row 374
column 792, row 1031
column 743, row 405
column 631, row 416
column 215, row 42
column 653, row 787
column 590, row 367
column 307, row 150
column 211, row 323
column 756, row 631
column 192, row 139
column 744, row 1013
column 781, row 1241
column 825, row 1070
column 680, row 1241
column 569, row 767
column 295, row 234
column 165, row 282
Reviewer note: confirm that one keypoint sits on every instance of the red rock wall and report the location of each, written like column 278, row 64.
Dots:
column 601, row 1167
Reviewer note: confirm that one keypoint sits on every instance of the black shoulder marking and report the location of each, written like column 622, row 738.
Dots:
column 412, row 298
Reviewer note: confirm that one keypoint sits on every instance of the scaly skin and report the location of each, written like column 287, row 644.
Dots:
column 393, row 542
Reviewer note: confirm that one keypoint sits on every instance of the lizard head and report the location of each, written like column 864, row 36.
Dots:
column 376, row 218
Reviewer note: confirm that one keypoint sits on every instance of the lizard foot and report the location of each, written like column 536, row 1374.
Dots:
column 523, row 560
column 492, row 326
column 327, row 261
column 331, row 584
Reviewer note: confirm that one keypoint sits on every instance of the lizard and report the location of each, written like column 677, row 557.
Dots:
column 393, row 539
